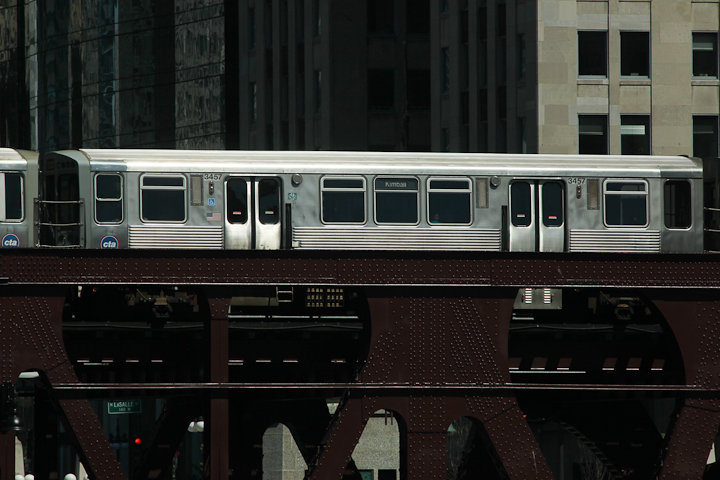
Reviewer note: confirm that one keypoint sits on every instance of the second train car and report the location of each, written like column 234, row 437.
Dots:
column 189, row 199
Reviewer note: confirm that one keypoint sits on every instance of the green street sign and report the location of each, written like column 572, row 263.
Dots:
column 127, row 406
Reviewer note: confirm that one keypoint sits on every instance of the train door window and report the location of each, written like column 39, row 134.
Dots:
column 449, row 201
column 396, row 201
column 12, row 197
column 678, row 204
column 162, row 198
column 108, row 198
column 552, row 204
column 269, row 201
column 625, row 203
column 343, row 199
column 236, row 201
column 521, row 204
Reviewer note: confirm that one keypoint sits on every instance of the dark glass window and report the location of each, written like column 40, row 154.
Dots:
column 705, row 54
column 381, row 16
column 269, row 201
column 108, row 198
column 635, row 134
column 381, row 89
column 449, row 201
column 445, row 69
column 343, row 200
column 635, row 54
column 236, row 200
column 418, row 89
column 552, row 204
column 396, row 201
column 705, row 136
column 163, row 198
column 13, row 197
column 625, row 204
column 592, row 54
column 592, row 133
column 520, row 204
column 678, row 204
column 418, row 17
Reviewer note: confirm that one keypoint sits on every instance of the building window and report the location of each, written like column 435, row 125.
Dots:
column 521, row 136
column 108, row 198
column 381, row 89
column 592, row 54
column 449, row 201
column 251, row 29
column 592, row 134
column 635, row 54
column 445, row 140
column 445, row 67
column 343, row 199
column 705, row 136
column 396, row 201
column 625, row 203
column 635, row 134
column 418, row 89
column 418, row 17
column 678, row 204
column 381, row 16
column 162, row 198
column 705, row 55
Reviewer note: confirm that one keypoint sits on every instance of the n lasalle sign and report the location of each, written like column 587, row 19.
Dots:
column 127, row 406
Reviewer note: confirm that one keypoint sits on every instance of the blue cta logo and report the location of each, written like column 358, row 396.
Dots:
column 109, row 241
column 10, row 240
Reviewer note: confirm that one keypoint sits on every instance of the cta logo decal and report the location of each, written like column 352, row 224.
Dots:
column 109, row 241
column 10, row 240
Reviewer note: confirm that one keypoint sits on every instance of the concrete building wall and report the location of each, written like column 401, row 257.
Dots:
column 669, row 95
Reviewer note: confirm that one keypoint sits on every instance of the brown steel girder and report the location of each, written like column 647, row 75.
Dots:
column 406, row 344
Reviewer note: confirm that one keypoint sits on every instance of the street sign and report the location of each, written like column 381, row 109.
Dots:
column 127, row 406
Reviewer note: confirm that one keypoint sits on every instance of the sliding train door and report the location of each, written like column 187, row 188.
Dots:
column 537, row 216
column 252, row 213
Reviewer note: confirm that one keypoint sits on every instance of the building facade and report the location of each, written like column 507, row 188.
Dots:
column 546, row 76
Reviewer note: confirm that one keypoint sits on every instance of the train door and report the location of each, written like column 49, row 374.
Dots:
column 537, row 216
column 252, row 213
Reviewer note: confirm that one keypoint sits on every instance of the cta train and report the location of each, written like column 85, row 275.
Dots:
column 187, row 199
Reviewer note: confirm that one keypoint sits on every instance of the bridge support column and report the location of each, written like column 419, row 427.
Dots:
column 693, row 316
column 421, row 338
column 217, row 457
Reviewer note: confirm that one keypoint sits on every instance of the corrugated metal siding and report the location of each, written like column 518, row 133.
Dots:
column 614, row 241
column 363, row 238
column 175, row 236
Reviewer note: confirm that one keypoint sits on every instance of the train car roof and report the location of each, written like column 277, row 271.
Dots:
column 326, row 162
column 11, row 159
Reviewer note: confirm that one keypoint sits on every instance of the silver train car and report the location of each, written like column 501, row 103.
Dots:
column 185, row 199
column 18, row 189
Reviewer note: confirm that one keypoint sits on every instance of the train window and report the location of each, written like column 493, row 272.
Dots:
column 520, row 204
column 269, row 201
column 625, row 203
column 13, row 197
column 552, row 204
column 449, row 201
column 343, row 199
column 678, row 204
column 236, row 201
column 108, row 198
column 396, row 201
column 162, row 198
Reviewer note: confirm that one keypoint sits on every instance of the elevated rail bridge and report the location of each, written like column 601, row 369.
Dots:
column 247, row 339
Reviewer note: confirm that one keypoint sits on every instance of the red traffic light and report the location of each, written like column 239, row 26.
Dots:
column 138, row 441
